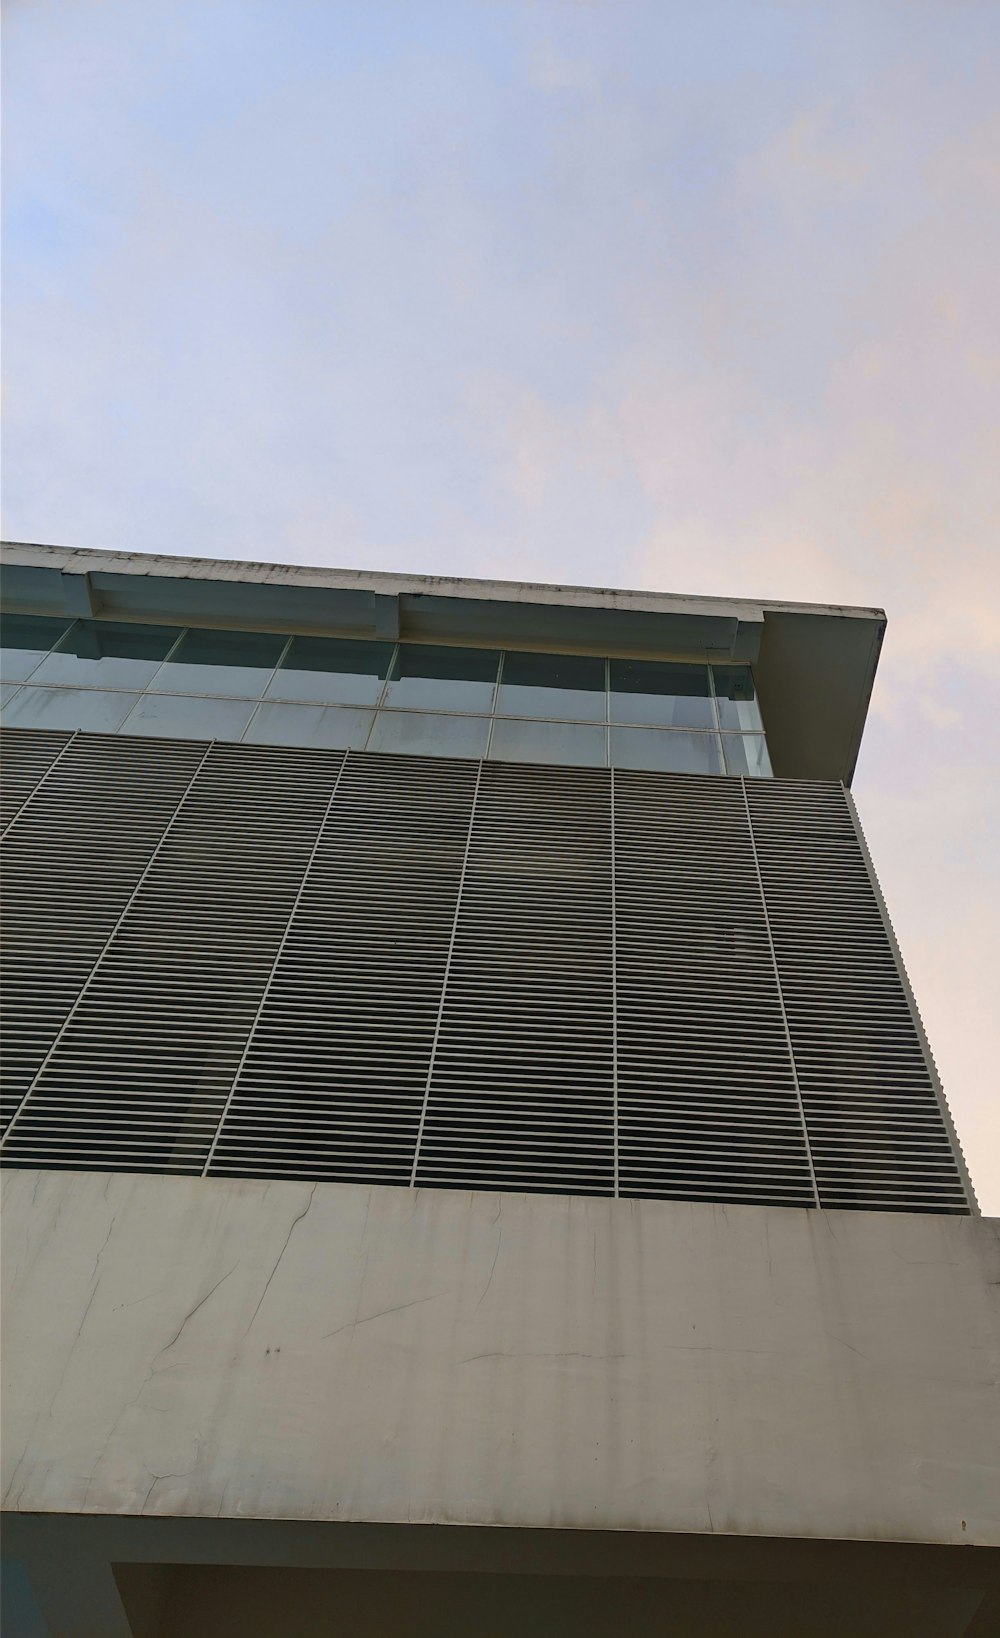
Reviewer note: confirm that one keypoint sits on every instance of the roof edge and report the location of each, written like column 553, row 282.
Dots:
column 87, row 560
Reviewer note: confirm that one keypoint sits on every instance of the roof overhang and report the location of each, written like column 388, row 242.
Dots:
column 815, row 664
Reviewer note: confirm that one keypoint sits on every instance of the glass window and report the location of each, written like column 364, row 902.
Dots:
column 173, row 716
column 420, row 734
column 747, row 754
column 552, row 685
column 445, row 679
column 105, row 654
column 674, row 752
column 338, row 671
column 222, row 662
column 24, row 640
column 576, row 744
column 330, row 725
column 7, row 689
column 668, row 695
column 86, row 708
column 737, row 697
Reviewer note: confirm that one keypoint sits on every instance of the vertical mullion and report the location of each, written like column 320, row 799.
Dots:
column 719, row 745
column 147, row 687
column 493, row 709
column 390, row 668
column 714, row 698
column 53, row 648
column 444, row 980
column 781, row 996
column 109, row 941
column 251, row 1032
column 274, row 672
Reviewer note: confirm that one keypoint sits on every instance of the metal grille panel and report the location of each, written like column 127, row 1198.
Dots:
column 141, row 1070
column 521, row 1094
column 25, row 759
column 291, row 963
column 72, row 859
column 708, row 1107
column 333, row 1084
column 876, row 1132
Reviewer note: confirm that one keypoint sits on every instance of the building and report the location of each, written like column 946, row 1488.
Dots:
column 475, row 1162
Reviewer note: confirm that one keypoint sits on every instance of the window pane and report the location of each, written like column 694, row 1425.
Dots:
column 86, row 708
column 672, row 696
column 659, row 748
column 24, row 640
column 329, row 725
column 338, row 670
column 450, row 679
column 552, row 685
column 576, row 744
column 737, row 697
column 747, row 754
column 172, row 716
column 422, row 735
column 222, row 662
column 104, row 653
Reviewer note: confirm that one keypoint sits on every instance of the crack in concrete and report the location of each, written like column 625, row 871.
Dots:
column 193, row 1311
column 493, row 1265
column 834, row 1338
column 351, row 1324
column 291, row 1230
column 545, row 1353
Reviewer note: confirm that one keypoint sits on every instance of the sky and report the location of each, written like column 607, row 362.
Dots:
column 701, row 298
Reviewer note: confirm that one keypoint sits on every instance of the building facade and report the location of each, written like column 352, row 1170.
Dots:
column 473, row 1149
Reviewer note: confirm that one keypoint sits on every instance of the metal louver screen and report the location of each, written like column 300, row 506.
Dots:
column 35, row 755
column 253, row 961
column 521, row 1092
column 875, row 1131
column 706, row 1085
column 334, row 1080
column 74, row 854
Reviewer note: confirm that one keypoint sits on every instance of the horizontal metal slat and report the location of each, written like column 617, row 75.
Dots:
column 573, row 982
column 392, row 849
column 686, row 884
column 226, row 873
column 25, row 758
column 848, row 1015
column 534, row 923
column 70, row 864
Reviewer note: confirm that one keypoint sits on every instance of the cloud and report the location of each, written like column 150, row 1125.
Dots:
column 551, row 71
column 806, row 161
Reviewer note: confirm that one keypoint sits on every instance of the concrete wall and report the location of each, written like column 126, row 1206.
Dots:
column 282, row 1350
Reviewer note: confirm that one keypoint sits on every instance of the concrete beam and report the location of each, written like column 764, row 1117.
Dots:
column 203, row 1348
column 78, row 595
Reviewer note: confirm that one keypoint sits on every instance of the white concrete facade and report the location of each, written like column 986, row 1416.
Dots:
column 251, row 1350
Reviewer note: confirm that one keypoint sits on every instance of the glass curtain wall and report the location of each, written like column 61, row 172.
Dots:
column 419, row 698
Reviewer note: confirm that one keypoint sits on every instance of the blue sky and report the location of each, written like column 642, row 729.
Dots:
column 694, row 297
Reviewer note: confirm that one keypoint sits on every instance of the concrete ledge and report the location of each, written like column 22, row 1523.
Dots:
column 186, row 1348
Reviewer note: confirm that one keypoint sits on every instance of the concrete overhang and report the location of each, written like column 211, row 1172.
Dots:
column 814, row 663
